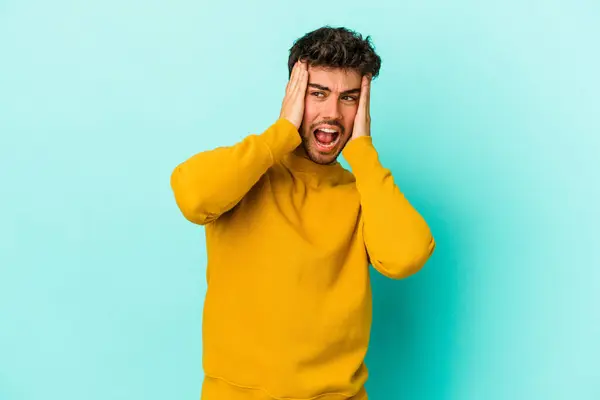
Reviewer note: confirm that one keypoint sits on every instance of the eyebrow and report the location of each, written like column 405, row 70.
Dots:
column 317, row 86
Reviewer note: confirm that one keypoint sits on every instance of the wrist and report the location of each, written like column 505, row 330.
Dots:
column 361, row 135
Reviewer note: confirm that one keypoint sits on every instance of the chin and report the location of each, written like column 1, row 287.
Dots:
column 322, row 158
column 321, row 154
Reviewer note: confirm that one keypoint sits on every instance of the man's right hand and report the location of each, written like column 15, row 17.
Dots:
column 292, row 107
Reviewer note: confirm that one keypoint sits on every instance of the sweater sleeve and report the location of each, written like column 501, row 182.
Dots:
column 212, row 182
column 397, row 238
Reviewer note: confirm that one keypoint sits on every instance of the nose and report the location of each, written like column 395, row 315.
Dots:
column 332, row 109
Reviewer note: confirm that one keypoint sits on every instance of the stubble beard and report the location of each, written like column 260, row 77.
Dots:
column 313, row 154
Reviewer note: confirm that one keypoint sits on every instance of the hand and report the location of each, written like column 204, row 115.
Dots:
column 362, row 120
column 292, row 107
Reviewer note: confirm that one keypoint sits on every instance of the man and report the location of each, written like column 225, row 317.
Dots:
column 290, row 234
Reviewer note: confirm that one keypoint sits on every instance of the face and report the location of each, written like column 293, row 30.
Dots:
column 330, row 106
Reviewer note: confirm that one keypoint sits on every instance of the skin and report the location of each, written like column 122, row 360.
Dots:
column 317, row 96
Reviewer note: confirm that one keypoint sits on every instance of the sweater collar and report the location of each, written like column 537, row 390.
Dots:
column 321, row 173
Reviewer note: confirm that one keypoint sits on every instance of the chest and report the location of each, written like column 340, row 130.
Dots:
column 297, row 212
column 293, row 233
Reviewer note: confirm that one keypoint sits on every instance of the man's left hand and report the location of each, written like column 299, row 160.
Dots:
column 362, row 120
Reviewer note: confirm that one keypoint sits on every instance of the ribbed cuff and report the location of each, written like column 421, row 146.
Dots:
column 361, row 154
column 281, row 138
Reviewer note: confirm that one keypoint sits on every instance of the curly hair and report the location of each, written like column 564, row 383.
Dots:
column 336, row 48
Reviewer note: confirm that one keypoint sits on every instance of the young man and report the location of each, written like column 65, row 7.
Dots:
column 290, row 234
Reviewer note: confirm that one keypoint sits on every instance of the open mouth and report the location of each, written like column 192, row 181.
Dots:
column 326, row 138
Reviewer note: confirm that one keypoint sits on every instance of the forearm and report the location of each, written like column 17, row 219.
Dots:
column 213, row 182
column 397, row 238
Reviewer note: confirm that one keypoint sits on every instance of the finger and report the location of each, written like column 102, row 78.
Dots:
column 295, row 75
column 368, row 105
column 303, row 81
column 292, row 77
column 300, row 76
column 362, row 102
column 290, row 83
column 299, row 88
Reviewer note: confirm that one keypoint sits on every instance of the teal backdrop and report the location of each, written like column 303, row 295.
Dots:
column 487, row 113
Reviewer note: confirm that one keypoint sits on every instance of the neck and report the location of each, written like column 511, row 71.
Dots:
column 299, row 161
column 301, row 152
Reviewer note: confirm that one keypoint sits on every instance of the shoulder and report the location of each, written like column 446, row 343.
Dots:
column 348, row 177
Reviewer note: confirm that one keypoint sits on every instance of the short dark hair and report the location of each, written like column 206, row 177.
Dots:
column 336, row 48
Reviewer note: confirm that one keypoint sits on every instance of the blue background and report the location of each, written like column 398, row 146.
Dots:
column 487, row 113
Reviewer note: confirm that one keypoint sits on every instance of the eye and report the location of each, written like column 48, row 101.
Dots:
column 349, row 98
column 317, row 94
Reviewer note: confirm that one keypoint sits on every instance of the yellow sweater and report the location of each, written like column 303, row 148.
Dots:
column 287, row 313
